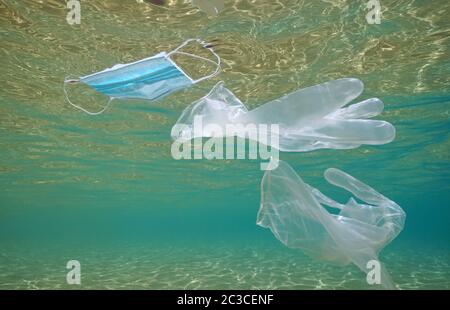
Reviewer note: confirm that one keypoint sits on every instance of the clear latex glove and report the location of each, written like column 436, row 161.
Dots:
column 308, row 119
column 295, row 213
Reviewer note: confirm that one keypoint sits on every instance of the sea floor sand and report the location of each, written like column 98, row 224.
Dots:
column 208, row 267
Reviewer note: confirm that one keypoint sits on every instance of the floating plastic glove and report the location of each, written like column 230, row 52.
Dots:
column 295, row 213
column 309, row 119
column 150, row 78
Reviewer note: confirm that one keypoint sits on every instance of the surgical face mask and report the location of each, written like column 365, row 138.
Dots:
column 150, row 78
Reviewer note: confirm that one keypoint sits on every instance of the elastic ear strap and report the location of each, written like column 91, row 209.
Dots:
column 204, row 44
column 183, row 45
column 218, row 68
column 196, row 56
column 66, row 81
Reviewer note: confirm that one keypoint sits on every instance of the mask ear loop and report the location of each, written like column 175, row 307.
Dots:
column 204, row 45
column 74, row 81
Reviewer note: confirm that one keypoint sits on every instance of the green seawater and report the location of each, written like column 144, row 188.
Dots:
column 106, row 191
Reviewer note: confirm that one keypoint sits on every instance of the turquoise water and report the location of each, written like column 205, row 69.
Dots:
column 105, row 190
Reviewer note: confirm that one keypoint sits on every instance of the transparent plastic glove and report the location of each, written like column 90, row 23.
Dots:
column 295, row 213
column 308, row 119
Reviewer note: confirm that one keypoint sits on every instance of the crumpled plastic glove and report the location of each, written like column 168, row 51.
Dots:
column 294, row 211
column 308, row 119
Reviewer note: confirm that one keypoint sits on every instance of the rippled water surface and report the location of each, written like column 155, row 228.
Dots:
column 105, row 190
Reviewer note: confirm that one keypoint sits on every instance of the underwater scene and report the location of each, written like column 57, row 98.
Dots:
column 95, row 195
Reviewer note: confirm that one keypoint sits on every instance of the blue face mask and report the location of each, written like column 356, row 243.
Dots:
column 150, row 78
